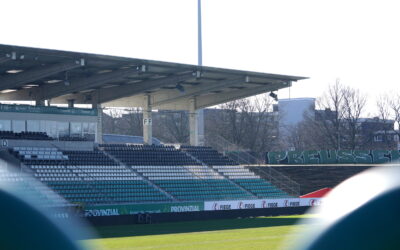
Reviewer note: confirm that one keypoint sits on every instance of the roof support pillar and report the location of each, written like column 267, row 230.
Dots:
column 71, row 103
column 193, row 123
column 99, row 127
column 98, row 137
column 147, row 121
column 200, row 127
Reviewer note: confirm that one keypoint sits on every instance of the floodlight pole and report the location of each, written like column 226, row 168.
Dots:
column 199, row 120
column 199, row 38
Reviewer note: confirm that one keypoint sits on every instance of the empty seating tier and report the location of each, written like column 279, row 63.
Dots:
column 103, row 192
column 24, row 135
column 84, row 172
column 95, row 157
column 251, row 182
column 142, row 174
column 201, row 190
column 261, row 188
column 26, row 186
column 236, row 172
column 97, row 184
column 208, row 155
column 148, row 155
column 176, row 172
column 39, row 155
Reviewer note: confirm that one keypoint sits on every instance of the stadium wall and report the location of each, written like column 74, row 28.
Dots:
column 185, row 211
column 180, row 207
column 148, row 218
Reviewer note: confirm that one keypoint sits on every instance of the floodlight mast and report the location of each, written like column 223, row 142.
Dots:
column 199, row 38
column 199, row 141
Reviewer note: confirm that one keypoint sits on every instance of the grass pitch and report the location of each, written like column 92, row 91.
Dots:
column 249, row 233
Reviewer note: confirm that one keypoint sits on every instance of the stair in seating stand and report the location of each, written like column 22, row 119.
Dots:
column 220, row 174
column 145, row 178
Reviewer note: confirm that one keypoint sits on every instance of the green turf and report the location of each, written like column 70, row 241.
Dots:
column 249, row 233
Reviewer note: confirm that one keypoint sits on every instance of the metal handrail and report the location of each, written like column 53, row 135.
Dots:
column 275, row 177
column 235, row 147
column 281, row 180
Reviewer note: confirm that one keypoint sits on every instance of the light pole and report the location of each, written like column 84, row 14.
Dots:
column 200, row 112
column 199, row 40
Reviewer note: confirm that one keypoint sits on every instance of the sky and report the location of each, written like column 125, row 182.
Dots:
column 357, row 42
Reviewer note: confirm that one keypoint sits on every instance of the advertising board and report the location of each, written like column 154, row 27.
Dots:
column 113, row 210
column 262, row 203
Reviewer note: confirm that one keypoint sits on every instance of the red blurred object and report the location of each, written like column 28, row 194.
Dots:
column 317, row 194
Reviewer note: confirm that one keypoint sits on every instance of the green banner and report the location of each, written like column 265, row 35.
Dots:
column 333, row 157
column 112, row 210
column 47, row 110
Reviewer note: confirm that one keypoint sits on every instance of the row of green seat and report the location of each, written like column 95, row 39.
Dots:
column 261, row 188
column 111, row 191
column 108, row 191
column 114, row 182
column 172, row 189
column 195, row 192
column 194, row 181
column 202, row 189
column 212, row 197
column 117, row 200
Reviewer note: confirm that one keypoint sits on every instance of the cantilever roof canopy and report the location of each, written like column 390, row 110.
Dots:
column 32, row 74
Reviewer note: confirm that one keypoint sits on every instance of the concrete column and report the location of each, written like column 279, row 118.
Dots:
column 193, row 123
column 147, row 121
column 99, row 130
column 200, row 127
column 71, row 103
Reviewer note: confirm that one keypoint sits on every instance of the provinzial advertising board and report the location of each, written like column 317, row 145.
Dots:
column 262, row 203
column 114, row 210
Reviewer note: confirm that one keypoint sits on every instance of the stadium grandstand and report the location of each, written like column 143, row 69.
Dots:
column 57, row 138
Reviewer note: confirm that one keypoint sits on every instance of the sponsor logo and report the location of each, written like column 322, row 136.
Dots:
column 314, row 202
column 225, row 207
column 288, row 203
column 294, row 204
column 273, row 204
column 178, row 209
column 215, row 206
column 250, row 205
column 242, row 205
column 101, row 212
column 264, row 204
